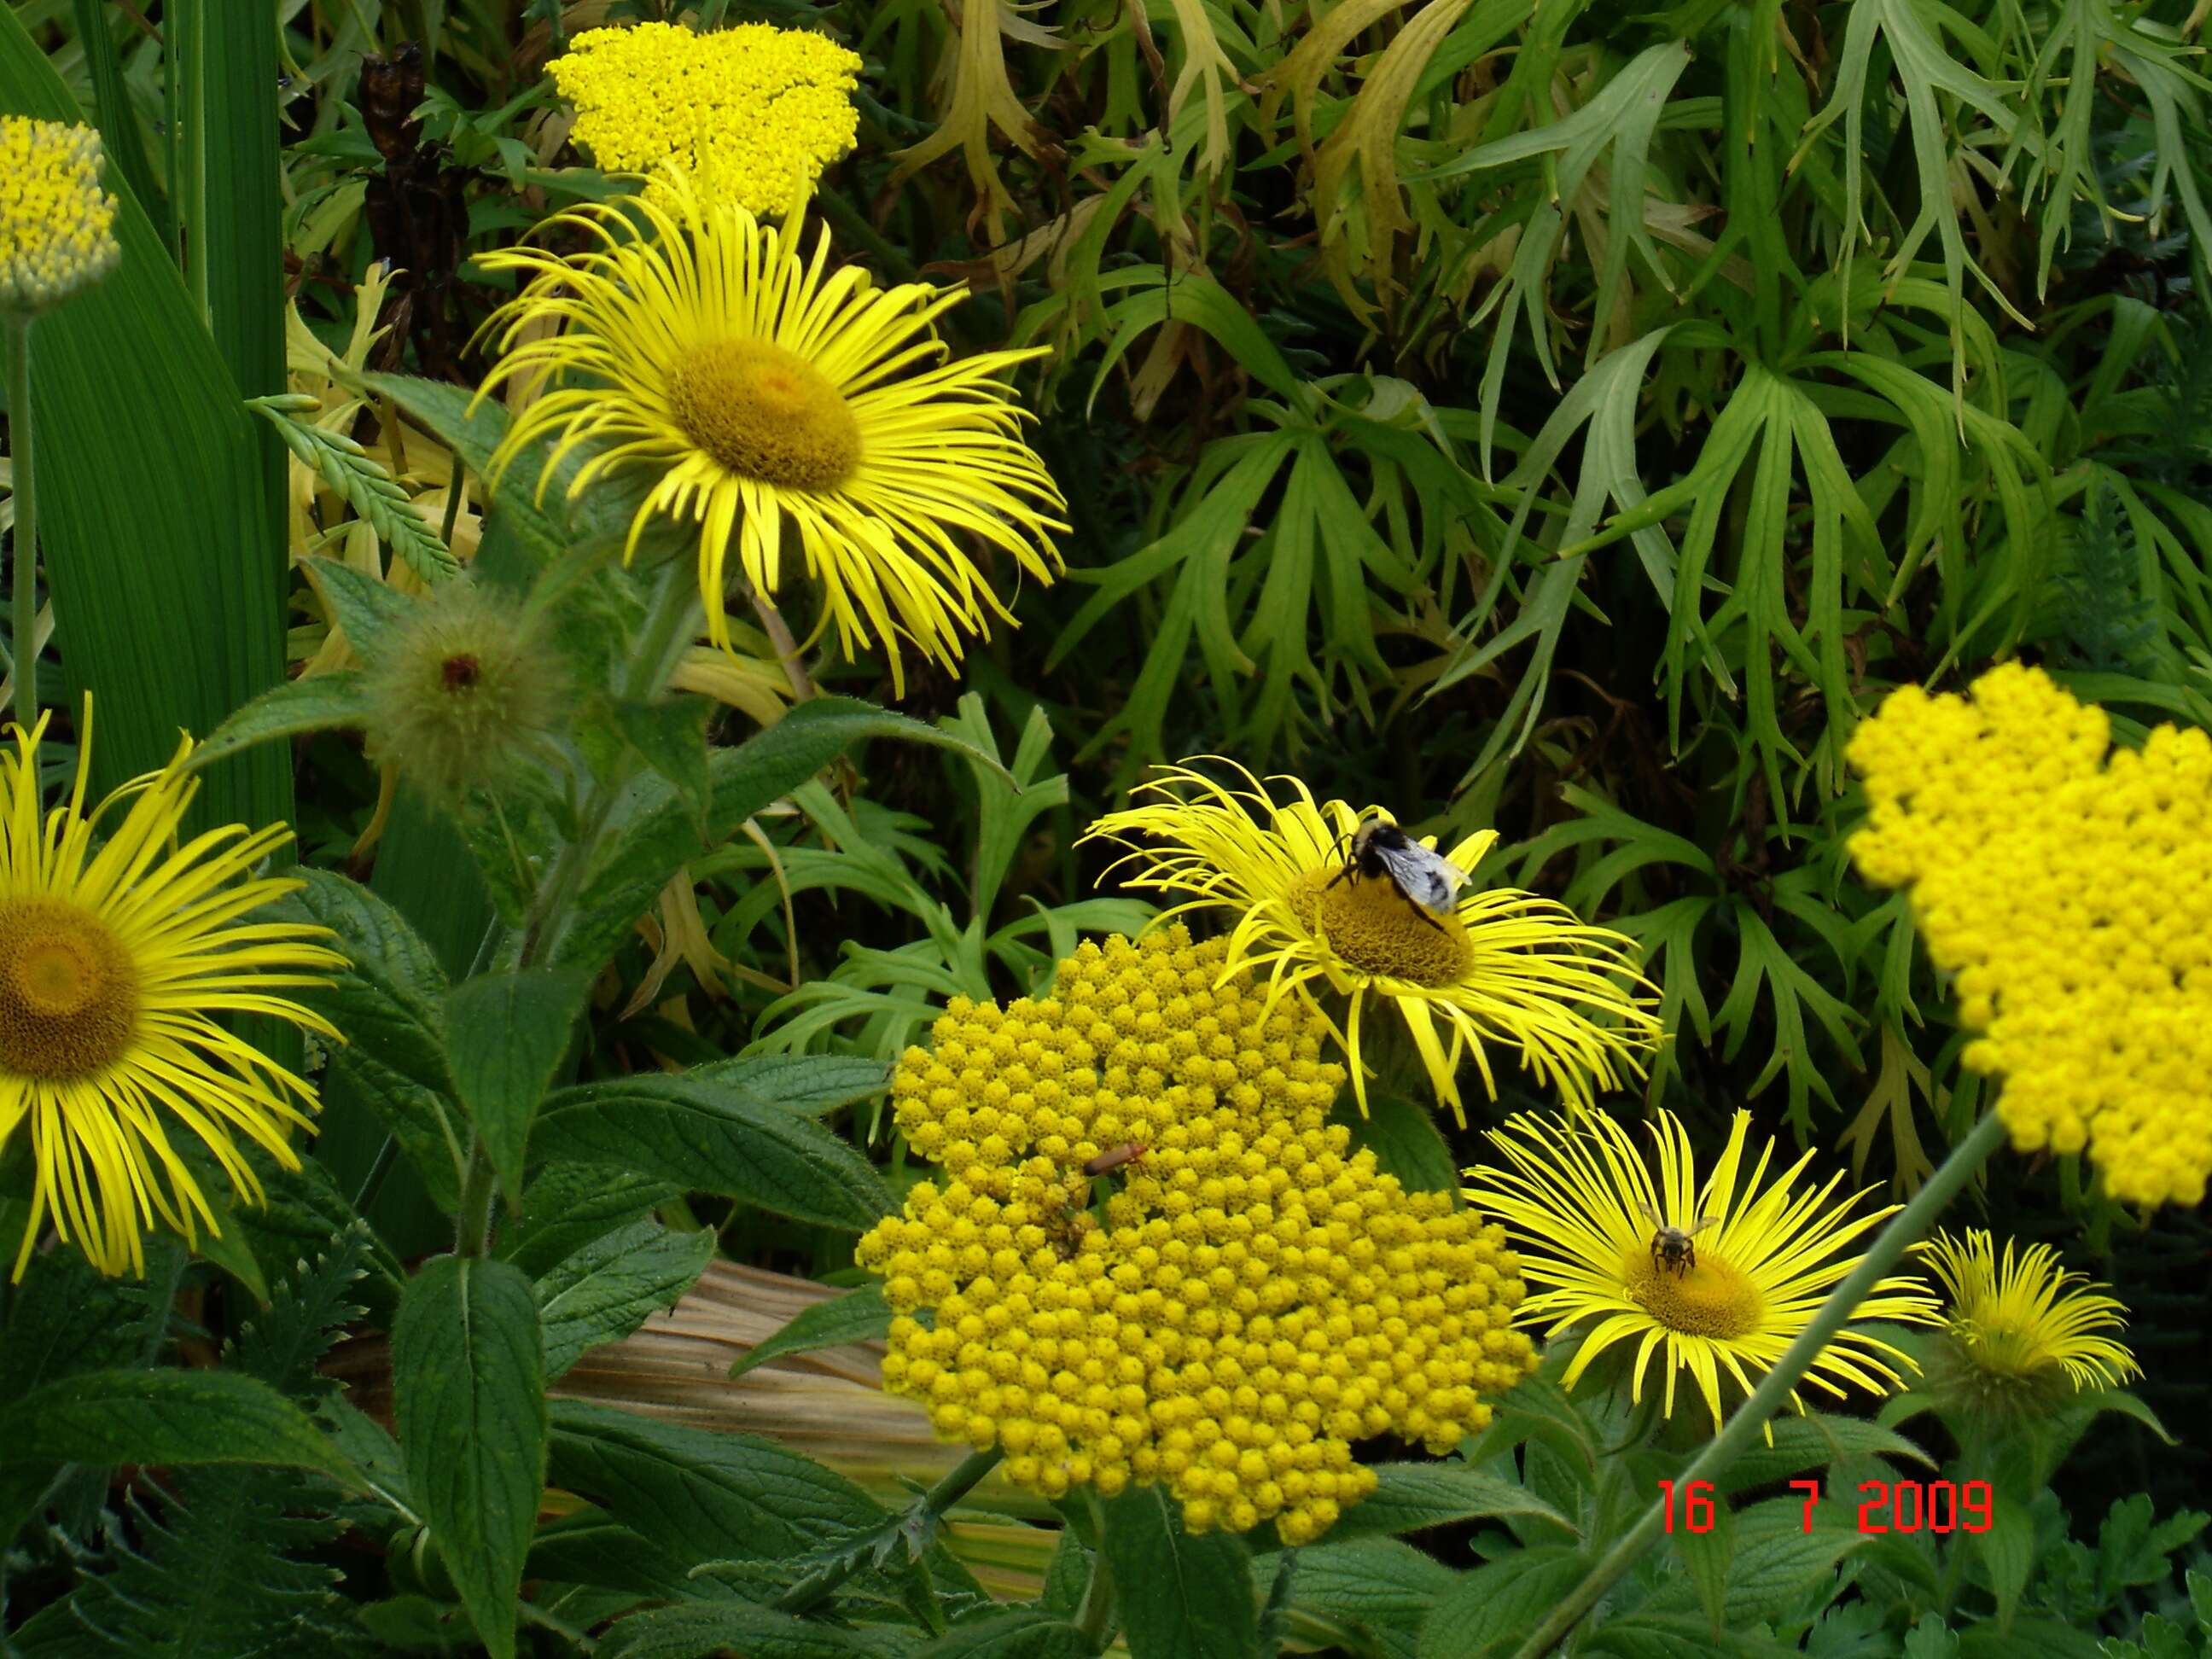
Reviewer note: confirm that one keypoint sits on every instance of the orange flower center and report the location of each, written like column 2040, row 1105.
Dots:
column 765, row 413
column 1377, row 930
column 68, row 990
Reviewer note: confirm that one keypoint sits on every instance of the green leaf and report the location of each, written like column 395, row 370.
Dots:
column 301, row 1210
column 713, row 1139
column 703, row 1497
column 368, row 610
column 1410, row 1496
column 1494, row 1606
column 1406, row 1138
column 1812, row 1442
column 697, row 1631
column 1181, row 1597
column 219, row 1570
column 286, row 711
column 670, row 738
column 1381, row 1588
column 388, row 1002
column 859, row 1315
column 383, row 504
column 165, row 1416
column 1777, row 1564
column 163, row 559
column 2026, row 1638
column 614, row 1284
column 1707, row 1557
column 815, row 1085
column 2007, row 1549
column 660, row 832
column 504, row 1035
column 570, row 1204
column 1017, row 1633
column 468, row 1376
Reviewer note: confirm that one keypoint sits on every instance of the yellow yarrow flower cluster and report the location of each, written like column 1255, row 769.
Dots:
column 2069, row 888
column 56, row 225
column 1257, row 1295
column 753, row 113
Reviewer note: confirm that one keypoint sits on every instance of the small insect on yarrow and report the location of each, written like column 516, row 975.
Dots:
column 1114, row 1157
column 1426, row 880
column 1671, row 1249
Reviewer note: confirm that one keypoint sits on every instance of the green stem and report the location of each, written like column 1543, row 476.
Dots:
column 25, row 645
column 1096, row 1617
column 672, row 621
column 1907, row 1225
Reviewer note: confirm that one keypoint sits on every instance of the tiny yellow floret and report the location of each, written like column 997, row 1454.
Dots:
column 56, row 225
column 2067, row 885
column 1257, row 1295
column 753, row 113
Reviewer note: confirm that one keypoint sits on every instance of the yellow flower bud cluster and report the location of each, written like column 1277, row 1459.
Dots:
column 753, row 113
column 2070, row 891
column 1256, row 1296
column 56, row 225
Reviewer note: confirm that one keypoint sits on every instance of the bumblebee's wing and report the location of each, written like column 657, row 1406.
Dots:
column 1650, row 1215
column 1700, row 1224
column 1430, row 880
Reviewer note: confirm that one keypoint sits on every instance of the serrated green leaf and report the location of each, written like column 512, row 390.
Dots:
column 468, row 1376
column 1380, row 1587
column 670, row 738
column 388, row 1001
column 1182, row 1596
column 859, row 1315
column 2007, row 1549
column 1018, row 1633
column 703, row 1497
column 696, row 1631
column 570, row 1204
column 713, row 1139
column 613, row 1284
column 1410, row 1496
column 368, row 610
column 1494, row 1607
column 1812, row 1442
column 504, row 1035
column 815, row 1085
column 166, row 1417
column 297, row 707
column 1707, row 1557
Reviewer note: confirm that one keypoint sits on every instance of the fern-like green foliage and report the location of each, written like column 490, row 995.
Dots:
column 2109, row 623
column 224, row 1565
column 365, row 485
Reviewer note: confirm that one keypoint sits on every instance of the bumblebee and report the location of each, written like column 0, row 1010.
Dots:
column 1671, row 1249
column 1380, row 850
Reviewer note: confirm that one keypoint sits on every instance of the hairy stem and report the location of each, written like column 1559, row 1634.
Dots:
column 1096, row 1617
column 672, row 619
column 1904, row 1228
column 24, row 641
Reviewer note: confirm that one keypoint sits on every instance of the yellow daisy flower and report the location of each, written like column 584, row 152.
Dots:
column 116, row 962
column 777, row 394
column 2024, row 1320
column 1506, row 967
column 1579, row 1202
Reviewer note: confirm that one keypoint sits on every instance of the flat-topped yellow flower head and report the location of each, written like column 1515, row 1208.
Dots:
column 753, row 113
column 56, row 224
column 120, row 953
column 1580, row 1202
column 2067, row 885
column 799, row 414
column 1250, row 1297
column 1500, row 967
